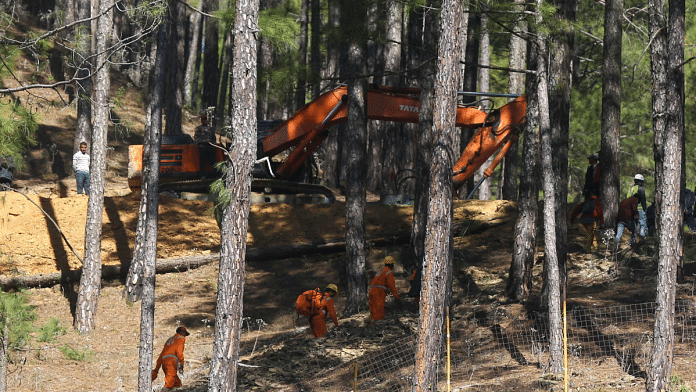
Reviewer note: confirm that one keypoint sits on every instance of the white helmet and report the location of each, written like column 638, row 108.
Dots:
column 639, row 177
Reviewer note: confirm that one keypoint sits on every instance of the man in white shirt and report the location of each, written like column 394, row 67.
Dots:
column 81, row 166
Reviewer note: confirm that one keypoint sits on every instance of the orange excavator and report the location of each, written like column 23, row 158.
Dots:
column 182, row 166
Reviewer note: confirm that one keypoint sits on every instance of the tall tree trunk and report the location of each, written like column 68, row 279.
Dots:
column 561, row 45
column 353, row 15
column 610, row 153
column 484, row 190
column 141, row 275
column 471, row 57
column 223, row 96
column 211, row 70
column 303, row 38
column 90, row 281
column 426, row 39
column 315, row 48
column 390, row 141
column 83, row 131
column 518, row 51
column 519, row 285
column 437, row 268
column 175, row 68
column 333, row 144
column 552, row 276
column 667, row 57
column 235, row 219
column 194, row 52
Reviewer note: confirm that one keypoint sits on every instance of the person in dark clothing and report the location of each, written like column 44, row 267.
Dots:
column 205, row 136
column 6, row 172
column 638, row 191
column 627, row 218
column 591, row 216
column 592, row 176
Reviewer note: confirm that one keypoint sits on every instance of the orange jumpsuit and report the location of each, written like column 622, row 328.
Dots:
column 172, row 355
column 379, row 288
column 317, row 322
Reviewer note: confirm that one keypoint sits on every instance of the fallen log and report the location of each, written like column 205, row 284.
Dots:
column 185, row 263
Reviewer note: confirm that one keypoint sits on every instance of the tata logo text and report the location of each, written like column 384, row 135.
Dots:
column 407, row 108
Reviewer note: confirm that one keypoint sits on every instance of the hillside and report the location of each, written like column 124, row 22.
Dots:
column 503, row 340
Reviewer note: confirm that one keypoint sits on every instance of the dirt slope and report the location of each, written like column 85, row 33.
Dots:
column 30, row 245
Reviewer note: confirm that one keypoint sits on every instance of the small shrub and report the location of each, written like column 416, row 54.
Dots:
column 76, row 354
column 18, row 315
column 51, row 330
column 678, row 385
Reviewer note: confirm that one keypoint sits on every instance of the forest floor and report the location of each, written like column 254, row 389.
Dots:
column 274, row 339
column 277, row 349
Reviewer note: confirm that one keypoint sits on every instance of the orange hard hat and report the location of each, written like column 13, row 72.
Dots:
column 388, row 260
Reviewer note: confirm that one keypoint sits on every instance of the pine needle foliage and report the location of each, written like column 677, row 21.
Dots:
column 279, row 27
column 18, row 129
column 17, row 315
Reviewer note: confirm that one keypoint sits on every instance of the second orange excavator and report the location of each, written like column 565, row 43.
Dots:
column 182, row 167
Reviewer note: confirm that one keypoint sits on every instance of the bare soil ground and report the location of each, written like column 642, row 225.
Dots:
column 30, row 245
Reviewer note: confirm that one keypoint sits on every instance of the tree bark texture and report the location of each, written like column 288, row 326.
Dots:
column 552, row 276
column 228, row 314
column 519, row 285
column 211, row 69
column 394, row 141
column 223, row 96
column 518, row 54
column 484, row 190
column 428, row 38
column 148, row 213
column 193, row 53
column 560, row 83
column 140, row 282
column 610, row 152
column 303, row 38
column 175, row 67
column 315, row 48
column 83, row 130
column 667, row 53
column 333, row 145
column 353, row 17
column 469, row 78
column 90, row 282
column 437, row 268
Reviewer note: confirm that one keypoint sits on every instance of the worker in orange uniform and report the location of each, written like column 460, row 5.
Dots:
column 172, row 359
column 317, row 308
column 380, row 286
column 591, row 216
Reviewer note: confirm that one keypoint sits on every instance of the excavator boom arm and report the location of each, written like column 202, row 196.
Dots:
column 306, row 130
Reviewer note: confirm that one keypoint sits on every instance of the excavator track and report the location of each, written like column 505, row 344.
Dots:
column 259, row 185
